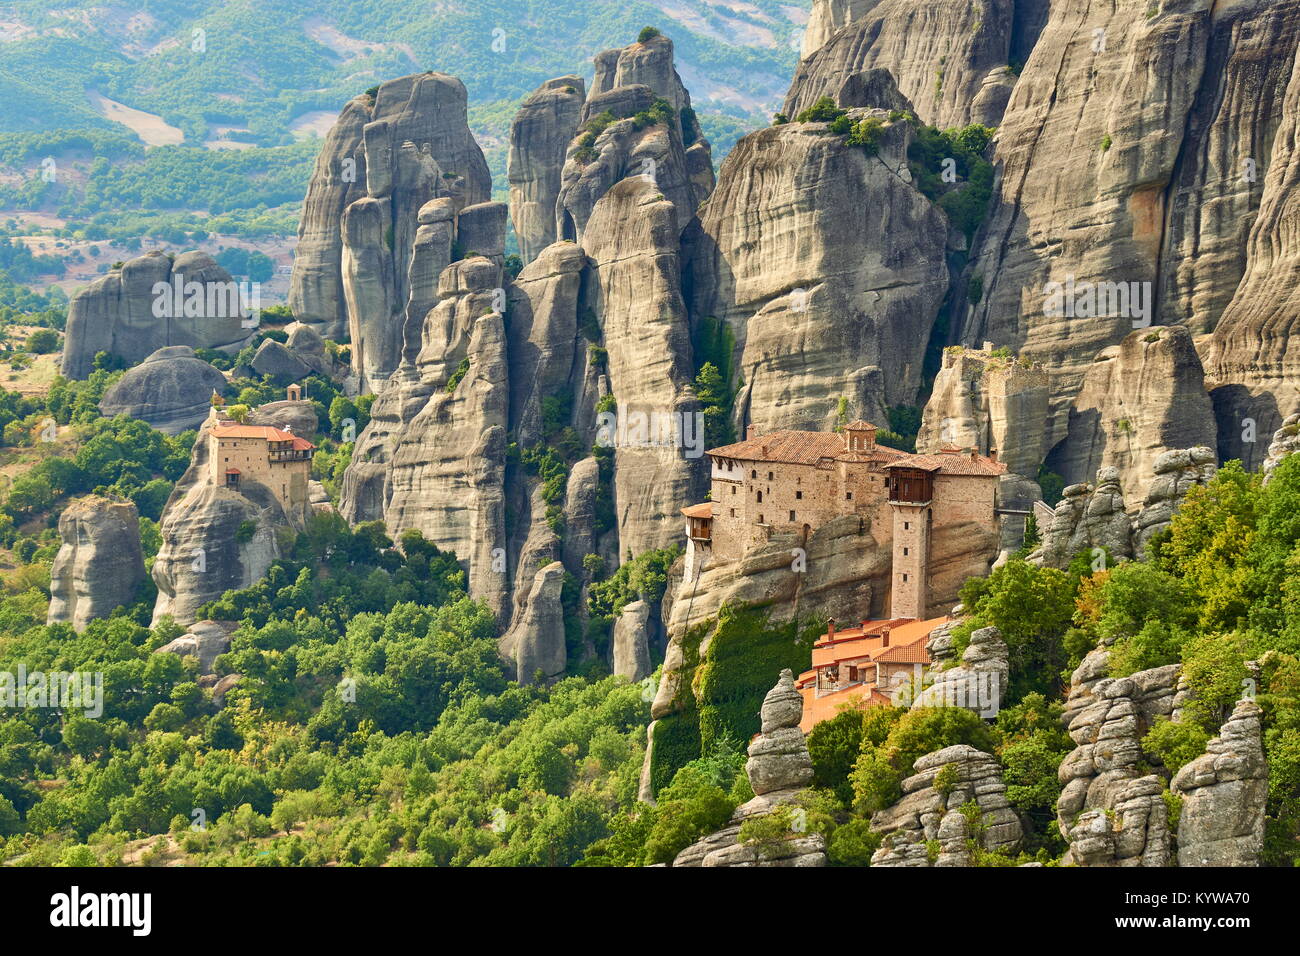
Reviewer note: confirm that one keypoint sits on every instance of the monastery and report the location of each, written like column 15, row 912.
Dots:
column 275, row 458
column 792, row 482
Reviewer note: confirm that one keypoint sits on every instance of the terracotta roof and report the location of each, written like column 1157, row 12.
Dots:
column 859, row 697
column 703, row 510
column 233, row 471
column 914, row 653
column 869, row 644
column 266, row 433
column 800, row 448
column 951, row 463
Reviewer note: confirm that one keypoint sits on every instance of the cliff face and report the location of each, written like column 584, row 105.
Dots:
column 100, row 564
column 823, row 305
column 950, row 57
column 384, row 161
column 1138, row 399
column 1251, row 361
column 1088, row 145
column 539, row 138
column 154, row 300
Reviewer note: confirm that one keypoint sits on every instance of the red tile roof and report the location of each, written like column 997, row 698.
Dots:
column 703, row 510
column 952, row 463
column 869, row 644
column 801, row 448
column 266, row 433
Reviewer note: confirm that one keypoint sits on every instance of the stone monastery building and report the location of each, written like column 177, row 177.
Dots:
column 794, row 481
column 275, row 458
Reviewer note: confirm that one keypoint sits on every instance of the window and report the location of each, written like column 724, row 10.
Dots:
column 799, row 495
column 907, row 526
column 760, row 519
column 848, row 496
column 906, row 552
column 853, row 675
column 733, row 489
column 769, row 476
column 760, row 497
column 733, row 512
column 791, row 515
column 904, row 578
column 753, row 474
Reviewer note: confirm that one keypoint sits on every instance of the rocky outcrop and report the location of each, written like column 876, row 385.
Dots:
column 632, row 642
column 992, row 403
column 306, row 344
column 415, row 147
column 536, row 641
column 151, row 301
column 205, row 641
column 1134, row 832
column 1086, row 519
column 1224, row 793
column 1138, row 399
column 1286, row 441
column 636, row 293
column 216, row 539
column 779, row 768
column 823, row 306
column 649, row 64
column 280, row 363
column 171, row 390
column 1090, row 139
column 1177, row 473
column 338, row 180
column 951, row 58
column 977, row 682
column 1111, row 813
column 539, row 139
column 100, row 565
column 931, row 810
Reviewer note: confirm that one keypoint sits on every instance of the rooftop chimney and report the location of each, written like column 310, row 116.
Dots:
column 886, row 644
column 830, row 625
column 751, row 431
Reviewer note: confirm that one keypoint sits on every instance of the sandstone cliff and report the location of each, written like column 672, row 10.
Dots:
column 539, row 138
column 823, row 306
column 951, row 58
column 152, row 301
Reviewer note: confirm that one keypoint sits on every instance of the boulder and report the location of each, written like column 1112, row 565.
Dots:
column 275, row 360
column 205, row 641
column 171, row 390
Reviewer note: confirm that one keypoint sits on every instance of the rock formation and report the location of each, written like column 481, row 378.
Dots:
column 931, row 810
column 1224, row 793
column 779, row 767
column 216, row 539
column 632, row 642
column 536, row 641
column 1177, row 473
column 414, row 147
column 539, row 139
column 1085, row 519
column 205, row 641
column 171, row 390
column 951, row 58
column 100, row 565
column 151, row 301
column 1286, row 441
column 1107, row 719
column 277, row 361
column 1090, row 137
column 1138, row 399
column 977, row 682
column 824, row 307
column 994, row 404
